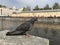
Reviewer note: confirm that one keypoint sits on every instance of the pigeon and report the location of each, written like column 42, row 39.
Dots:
column 23, row 28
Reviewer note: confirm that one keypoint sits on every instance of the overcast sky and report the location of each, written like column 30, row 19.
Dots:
column 23, row 3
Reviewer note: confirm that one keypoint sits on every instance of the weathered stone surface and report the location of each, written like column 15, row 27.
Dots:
column 21, row 40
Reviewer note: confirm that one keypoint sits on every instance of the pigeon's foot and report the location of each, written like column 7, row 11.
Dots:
column 28, row 35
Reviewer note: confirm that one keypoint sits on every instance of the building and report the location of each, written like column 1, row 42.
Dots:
column 9, row 11
column 5, row 11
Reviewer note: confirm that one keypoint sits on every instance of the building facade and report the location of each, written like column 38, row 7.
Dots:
column 9, row 11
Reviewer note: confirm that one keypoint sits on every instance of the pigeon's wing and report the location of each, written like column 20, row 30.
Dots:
column 24, row 27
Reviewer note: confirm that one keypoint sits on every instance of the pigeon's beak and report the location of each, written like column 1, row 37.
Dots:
column 36, row 18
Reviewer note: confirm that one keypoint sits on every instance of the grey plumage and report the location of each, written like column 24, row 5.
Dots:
column 23, row 28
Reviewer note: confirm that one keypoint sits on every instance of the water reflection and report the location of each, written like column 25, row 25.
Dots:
column 51, row 34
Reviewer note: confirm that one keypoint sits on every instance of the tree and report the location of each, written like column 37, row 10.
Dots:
column 36, row 8
column 26, row 8
column 56, row 6
column 23, row 8
column 0, row 5
column 47, row 7
column 3, row 6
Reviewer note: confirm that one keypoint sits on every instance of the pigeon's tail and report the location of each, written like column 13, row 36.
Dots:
column 12, row 34
column 9, row 34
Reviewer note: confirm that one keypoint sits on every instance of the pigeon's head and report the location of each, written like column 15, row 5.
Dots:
column 35, row 18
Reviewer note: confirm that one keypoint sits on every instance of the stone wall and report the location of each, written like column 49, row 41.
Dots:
column 21, row 40
column 44, row 14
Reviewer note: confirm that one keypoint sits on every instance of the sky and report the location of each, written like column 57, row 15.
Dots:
column 31, row 3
